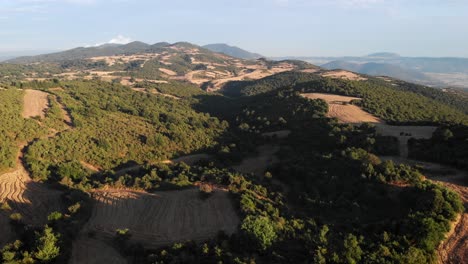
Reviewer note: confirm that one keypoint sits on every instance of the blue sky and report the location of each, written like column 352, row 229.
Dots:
column 271, row 27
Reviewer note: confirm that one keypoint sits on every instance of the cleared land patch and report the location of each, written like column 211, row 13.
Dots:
column 93, row 251
column 35, row 103
column 258, row 164
column 340, row 108
column 34, row 201
column 346, row 75
column 162, row 218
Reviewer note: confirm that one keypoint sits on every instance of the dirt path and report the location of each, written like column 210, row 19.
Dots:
column 35, row 103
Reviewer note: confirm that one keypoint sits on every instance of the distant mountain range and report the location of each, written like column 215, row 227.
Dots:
column 429, row 71
column 125, row 49
column 232, row 51
column 438, row 72
column 382, row 69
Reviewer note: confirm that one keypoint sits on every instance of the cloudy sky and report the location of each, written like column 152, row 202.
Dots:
column 271, row 27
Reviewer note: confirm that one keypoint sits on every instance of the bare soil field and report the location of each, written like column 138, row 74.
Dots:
column 168, row 72
column 404, row 133
column 346, row 75
column 7, row 233
column 259, row 163
column 340, row 108
column 93, row 251
column 34, row 201
column 35, row 103
column 161, row 218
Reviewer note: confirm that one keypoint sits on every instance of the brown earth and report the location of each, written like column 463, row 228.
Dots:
column 94, row 251
column 340, row 108
column 404, row 133
column 259, row 164
column 340, row 74
column 157, row 219
column 35, row 103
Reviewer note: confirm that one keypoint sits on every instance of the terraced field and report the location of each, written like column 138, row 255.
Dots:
column 34, row 201
column 155, row 219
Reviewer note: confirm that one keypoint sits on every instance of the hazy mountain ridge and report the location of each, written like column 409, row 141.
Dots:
column 442, row 71
column 232, row 51
column 381, row 69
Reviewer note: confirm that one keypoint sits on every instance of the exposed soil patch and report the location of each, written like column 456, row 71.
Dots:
column 35, row 103
column 34, row 201
column 340, row 74
column 259, row 164
column 340, row 108
column 161, row 218
column 93, row 251
column 168, row 72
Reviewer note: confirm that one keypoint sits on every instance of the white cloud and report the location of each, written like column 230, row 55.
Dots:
column 120, row 39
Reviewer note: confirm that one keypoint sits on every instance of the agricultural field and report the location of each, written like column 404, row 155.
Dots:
column 340, row 107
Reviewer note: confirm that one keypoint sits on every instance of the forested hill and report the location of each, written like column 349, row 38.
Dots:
column 81, row 53
column 392, row 100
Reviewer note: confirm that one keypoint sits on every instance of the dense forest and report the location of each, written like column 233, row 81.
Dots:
column 395, row 104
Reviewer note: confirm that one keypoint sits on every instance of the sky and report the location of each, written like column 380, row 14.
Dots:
column 433, row 28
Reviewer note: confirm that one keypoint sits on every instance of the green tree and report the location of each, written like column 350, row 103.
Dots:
column 261, row 229
column 47, row 249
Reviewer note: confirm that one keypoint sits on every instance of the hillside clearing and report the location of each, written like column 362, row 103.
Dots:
column 340, row 108
column 34, row 201
column 259, row 164
column 35, row 103
column 93, row 251
column 162, row 218
column 346, row 75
